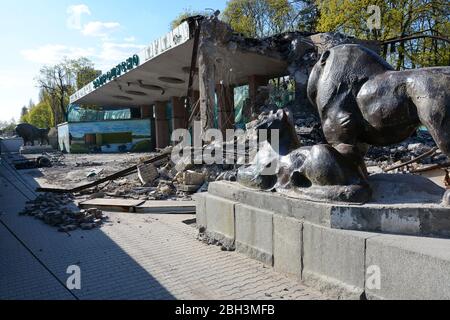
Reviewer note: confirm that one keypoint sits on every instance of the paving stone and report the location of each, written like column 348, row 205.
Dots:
column 143, row 257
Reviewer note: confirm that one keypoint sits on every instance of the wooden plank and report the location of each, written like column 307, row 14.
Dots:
column 113, row 202
column 115, row 205
column 167, row 207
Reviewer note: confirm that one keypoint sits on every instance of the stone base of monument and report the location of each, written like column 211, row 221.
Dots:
column 35, row 149
column 396, row 247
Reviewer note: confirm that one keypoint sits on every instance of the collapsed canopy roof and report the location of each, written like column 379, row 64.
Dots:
column 161, row 71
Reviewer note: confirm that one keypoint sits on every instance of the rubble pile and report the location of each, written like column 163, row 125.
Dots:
column 411, row 148
column 164, row 179
column 60, row 211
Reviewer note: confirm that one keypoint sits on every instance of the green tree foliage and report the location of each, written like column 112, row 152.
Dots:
column 259, row 18
column 414, row 31
column 185, row 14
column 7, row 127
column 40, row 116
column 84, row 72
column 25, row 112
column 24, row 115
column 305, row 15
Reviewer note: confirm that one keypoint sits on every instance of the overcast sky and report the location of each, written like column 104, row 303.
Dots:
column 36, row 33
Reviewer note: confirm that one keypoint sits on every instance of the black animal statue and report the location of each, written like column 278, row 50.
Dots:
column 315, row 173
column 30, row 134
column 362, row 101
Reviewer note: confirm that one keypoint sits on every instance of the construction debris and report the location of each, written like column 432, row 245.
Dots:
column 39, row 162
column 114, row 176
column 147, row 173
column 190, row 178
column 428, row 153
column 60, row 211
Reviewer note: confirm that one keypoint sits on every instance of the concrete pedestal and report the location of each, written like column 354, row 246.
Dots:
column 305, row 240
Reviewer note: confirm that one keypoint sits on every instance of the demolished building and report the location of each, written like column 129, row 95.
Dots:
column 224, row 75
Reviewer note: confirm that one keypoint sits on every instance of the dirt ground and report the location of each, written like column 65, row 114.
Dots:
column 73, row 170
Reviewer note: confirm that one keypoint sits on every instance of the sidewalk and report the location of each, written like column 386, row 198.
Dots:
column 132, row 257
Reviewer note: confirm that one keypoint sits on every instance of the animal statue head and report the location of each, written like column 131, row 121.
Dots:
column 280, row 120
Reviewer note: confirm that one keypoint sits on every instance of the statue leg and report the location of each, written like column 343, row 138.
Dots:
column 355, row 154
column 328, row 175
column 435, row 116
column 328, row 166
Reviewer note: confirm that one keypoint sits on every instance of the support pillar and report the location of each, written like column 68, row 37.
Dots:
column 206, row 66
column 179, row 114
column 147, row 112
column 254, row 82
column 225, row 99
column 161, row 125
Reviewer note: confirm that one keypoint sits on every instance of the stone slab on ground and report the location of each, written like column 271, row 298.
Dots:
column 120, row 205
column 35, row 149
column 254, row 231
column 166, row 207
column 10, row 144
column 402, row 204
column 410, row 267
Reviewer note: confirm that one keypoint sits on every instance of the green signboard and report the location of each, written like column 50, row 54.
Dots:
column 118, row 70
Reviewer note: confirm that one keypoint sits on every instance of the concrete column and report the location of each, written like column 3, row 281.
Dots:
column 179, row 114
column 254, row 82
column 146, row 112
column 161, row 125
column 225, row 99
column 206, row 65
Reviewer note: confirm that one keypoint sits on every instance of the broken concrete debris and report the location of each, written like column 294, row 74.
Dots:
column 39, row 162
column 191, row 178
column 60, row 211
column 147, row 173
